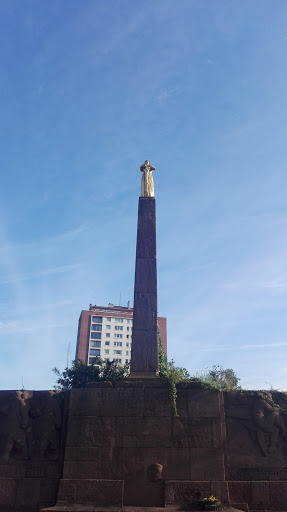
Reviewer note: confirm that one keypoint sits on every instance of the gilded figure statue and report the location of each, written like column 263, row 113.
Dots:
column 147, row 186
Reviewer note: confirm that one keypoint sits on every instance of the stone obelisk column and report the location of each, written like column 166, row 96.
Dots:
column 144, row 356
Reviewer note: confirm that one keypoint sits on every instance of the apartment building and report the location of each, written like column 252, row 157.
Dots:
column 106, row 332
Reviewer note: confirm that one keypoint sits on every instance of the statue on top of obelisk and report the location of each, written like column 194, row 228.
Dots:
column 147, row 186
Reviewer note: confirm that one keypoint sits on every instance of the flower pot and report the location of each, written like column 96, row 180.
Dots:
column 210, row 507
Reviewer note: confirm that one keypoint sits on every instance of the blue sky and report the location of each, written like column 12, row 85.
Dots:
column 88, row 91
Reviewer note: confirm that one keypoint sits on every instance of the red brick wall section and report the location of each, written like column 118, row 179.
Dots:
column 83, row 336
column 163, row 333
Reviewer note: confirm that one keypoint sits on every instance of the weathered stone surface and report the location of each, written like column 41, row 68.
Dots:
column 260, row 495
column 144, row 353
column 144, row 356
column 200, row 432
column 141, row 493
column 123, row 402
column 32, row 440
column 146, row 231
column 185, row 493
column 28, row 492
column 278, row 495
column 8, row 487
column 126, row 430
column 146, row 277
column 256, row 436
column 89, row 463
column 221, row 491
column 202, row 403
column 207, row 464
column 91, row 492
column 85, row 402
column 148, row 431
column 240, row 492
column 157, row 402
column 145, row 317
column 90, row 431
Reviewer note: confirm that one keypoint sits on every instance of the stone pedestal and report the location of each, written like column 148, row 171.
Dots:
column 144, row 356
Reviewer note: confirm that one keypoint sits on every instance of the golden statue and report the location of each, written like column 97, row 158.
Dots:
column 147, row 186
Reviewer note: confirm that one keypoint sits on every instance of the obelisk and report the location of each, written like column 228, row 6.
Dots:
column 144, row 354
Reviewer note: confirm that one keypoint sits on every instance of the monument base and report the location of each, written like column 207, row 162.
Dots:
column 144, row 375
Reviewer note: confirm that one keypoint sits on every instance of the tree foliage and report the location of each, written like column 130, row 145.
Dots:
column 79, row 375
column 223, row 379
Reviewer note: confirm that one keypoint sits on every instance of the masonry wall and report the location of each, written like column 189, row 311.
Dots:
column 32, row 442
column 124, row 445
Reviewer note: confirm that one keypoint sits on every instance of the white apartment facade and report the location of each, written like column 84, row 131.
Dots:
column 106, row 333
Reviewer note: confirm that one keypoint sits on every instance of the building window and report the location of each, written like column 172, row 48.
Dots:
column 107, row 351
column 94, row 352
column 127, row 353
column 93, row 360
column 118, row 344
column 108, row 326
column 108, row 319
column 118, row 327
column 96, row 327
column 127, row 361
column 118, row 352
column 95, row 343
column 108, row 335
column 96, row 335
column 127, row 344
column 97, row 319
column 118, row 335
column 128, row 328
column 118, row 361
column 128, row 336
column 128, row 320
column 119, row 320
column 107, row 342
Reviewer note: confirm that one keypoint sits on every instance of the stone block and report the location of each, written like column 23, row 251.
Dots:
column 90, row 431
column 123, row 402
column 145, row 431
column 221, row 492
column 36, row 469
column 240, row 492
column 201, row 432
column 16, row 470
column 89, row 463
column 278, row 495
column 144, row 351
column 133, row 463
column 185, row 493
column 146, row 230
column 49, row 489
column 178, row 464
column 28, row 493
column 145, row 312
column 146, row 277
column 8, row 490
column 141, row 493
column 207, row 464
column 260, row 496
column 157, row 402
column 181, row 402
column 202, row 403
column 92, row 492
column 85, row 402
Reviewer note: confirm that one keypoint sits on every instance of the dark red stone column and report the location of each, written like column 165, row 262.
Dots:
column 144, row 356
